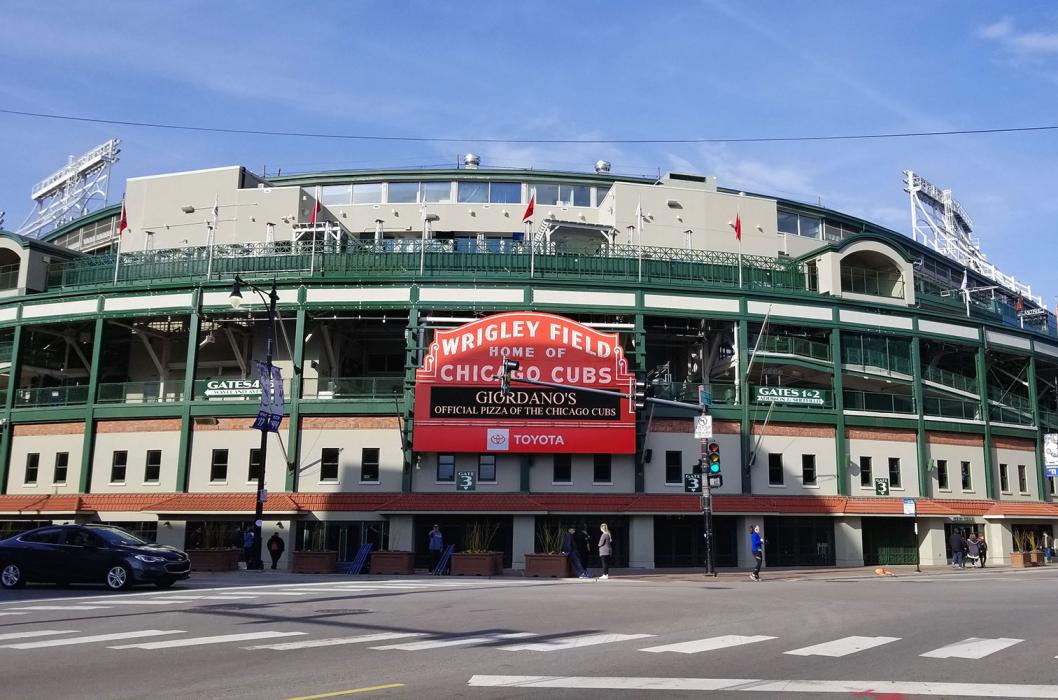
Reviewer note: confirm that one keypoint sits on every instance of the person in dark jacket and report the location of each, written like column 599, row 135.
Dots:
column 276, row 547
column 583, row 547
column 983, row 548
column 569, row 550
column 250, row 550
column 958, row 549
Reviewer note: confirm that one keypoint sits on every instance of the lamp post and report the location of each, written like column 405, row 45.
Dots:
column 269, row 299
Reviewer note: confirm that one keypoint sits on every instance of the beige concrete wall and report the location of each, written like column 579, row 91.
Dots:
column 47, row 440
column 508, row 473
column 621, row 470
column 792, row 441
column 351, row 442
column 848, row 541
column 136, row 444
column 880, row 451
column 1013, row 458
column 234, row 435
column 660, row 441
column 956, row 449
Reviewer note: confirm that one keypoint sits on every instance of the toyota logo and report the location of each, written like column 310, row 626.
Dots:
column 498, row 439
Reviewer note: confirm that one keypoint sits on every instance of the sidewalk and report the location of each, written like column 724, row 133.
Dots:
column 790, row 574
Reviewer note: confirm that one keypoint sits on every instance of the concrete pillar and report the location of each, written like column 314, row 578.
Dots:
column 931, row 539
column 848, row 542
column 523, row 539
column 641, row 542
column 401, row 533
column 999, row 536
column 745, row 557
column 171, row 534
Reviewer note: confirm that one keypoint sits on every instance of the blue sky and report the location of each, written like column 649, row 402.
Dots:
column 563, row 70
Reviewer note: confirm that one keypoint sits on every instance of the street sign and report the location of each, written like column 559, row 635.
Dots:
column 466, row 481
column 781, row 394
column 703, row 428
column 705, row 396
column 881, row 487
column 1050, row 450
column 692, row 483
column 909, row 506
column 1031, row 313
column 1051, row 471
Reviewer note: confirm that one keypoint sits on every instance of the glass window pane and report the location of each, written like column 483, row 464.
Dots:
column 473, row 192
column 810, row 226
column 446, row 467
column 403, row 192
column 600, row 194
column 437, row 191
column 336, row 194
column 787, row 222
column 367, row 193
column 577, row 196
column 546, row 194
column 505, row 192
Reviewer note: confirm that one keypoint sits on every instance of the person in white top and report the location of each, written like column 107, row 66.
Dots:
column 605, row 548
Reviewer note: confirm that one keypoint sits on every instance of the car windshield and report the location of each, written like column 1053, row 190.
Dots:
column 114, row 535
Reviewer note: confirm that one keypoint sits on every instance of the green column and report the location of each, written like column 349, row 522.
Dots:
column 9, row 401
column 840, row 443
column 1041, row 479
column 294, row 400
column 183, row 456
column 88, row 445
column 982, row 389
column 920, row 438
column 744, row 398
column 639, row 366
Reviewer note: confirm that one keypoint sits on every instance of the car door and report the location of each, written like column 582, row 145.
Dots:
column 40, row 553
column 84, row 557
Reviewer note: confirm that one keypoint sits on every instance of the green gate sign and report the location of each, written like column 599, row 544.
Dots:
column 466, row 481
column 790, row 395
column 881, row 487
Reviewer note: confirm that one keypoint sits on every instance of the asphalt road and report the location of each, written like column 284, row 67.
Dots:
column 952, row 634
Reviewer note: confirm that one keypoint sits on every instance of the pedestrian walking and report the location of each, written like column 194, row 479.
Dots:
column 1048, row 548
column 756, row 547
column 605, row 547
column 437, row 545
column 276, row 547
column 583, row 546
column 982, row 547
column 973, row 550
column 248, row 549
column 569, row 550
column 958, row 549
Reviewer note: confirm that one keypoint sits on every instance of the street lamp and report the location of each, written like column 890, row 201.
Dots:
column 269, row 299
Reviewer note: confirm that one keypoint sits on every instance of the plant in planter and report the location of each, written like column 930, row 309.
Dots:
column 477, row 557
column 313, row 557
column 212, row 550
column 1021, row 557
column 393, row 561
column 1035, row 552
column 548, row 561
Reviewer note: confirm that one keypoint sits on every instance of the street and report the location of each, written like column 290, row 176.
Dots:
column 966, row 633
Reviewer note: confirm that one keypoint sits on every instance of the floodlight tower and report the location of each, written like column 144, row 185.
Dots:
column 71, row 191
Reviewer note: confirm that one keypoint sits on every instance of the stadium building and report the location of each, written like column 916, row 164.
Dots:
column 870, row 392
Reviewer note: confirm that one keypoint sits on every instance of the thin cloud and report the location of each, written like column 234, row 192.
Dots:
column 1024, row 45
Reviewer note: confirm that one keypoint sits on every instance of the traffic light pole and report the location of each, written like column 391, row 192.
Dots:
column 707, row 513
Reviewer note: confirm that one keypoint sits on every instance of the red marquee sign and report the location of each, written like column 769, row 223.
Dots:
column 460, row 407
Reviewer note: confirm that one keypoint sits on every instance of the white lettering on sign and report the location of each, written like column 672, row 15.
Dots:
column 554, row 440
column 233, row 387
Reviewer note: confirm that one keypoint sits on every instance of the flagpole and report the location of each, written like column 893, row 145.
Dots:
column 212, row 237
column 639, row 238
column 532, row 248
column 738, row 235
column 117, row 260
column 740, row 262
column 122, row 225
column 422, row 250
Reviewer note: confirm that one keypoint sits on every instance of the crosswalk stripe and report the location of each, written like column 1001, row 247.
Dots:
column 200, row 641
column 260, row 593
column 142, row 602
column 584, row 640
column 843, row 646
column 358, row 589
column 972, row 648
column 338, row 641
column 68, row 641
column 710, row 644
column 36, row 633
column 62, row 607
column 12, row 613
column 228, row 597
column 455, row 641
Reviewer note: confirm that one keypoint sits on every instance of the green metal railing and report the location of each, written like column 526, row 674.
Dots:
column 951, row 408
column 875, row 401
column 338, row 388
column 51, row 396
column 724, row 394
column 6, row 346
column 793, row 345
column 141, row 392
column 1006, row 414
column 949, row 379
column 1049, row 419
column 896, row 357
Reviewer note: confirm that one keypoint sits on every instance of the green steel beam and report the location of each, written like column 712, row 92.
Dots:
column 9, row 401
column 840, row 441
column 294, row 400
column 981, row 365
column 183, row 464
column 411, row 364
column 921, row 438
column 743, row 396
column 88, row 444
column 639, row 362
column 1034, row 401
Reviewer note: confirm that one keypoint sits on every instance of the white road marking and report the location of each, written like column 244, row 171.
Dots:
column 227, row 597
column 456, row 641
column 843, row 646
column 37, row 633
column 12, row 613
column 712, row 643
column 959, row 690
column 261, row 593
column 200, row 641
column 337, row 641
column 117, row 601
column 972, row 648
column 337, row 590
column 88, row 640
column 584, row 640
column 63, row 607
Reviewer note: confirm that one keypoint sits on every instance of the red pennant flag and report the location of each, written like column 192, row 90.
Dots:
column 315, row 211
column 1019, row 305
column 529, row 209
column 738, row 226
column 124, row 222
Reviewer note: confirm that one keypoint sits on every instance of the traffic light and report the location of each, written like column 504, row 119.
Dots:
column 712, row 465
column 644, row 389
column 509, row 366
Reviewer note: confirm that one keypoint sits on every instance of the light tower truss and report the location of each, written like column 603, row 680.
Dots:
column 938, row 222
column 71, row 191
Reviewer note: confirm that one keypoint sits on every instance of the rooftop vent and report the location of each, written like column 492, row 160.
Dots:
column 471, row 161
column 602, row 166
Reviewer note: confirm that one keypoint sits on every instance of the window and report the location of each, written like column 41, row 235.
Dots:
column 254, row 470
column 79, row 537
column 472, row 192
column 775, row 470
column 437, row 191
column 865, row 472
column 152, row 472
column 218, row 466
column 505, row 192
column 1023, row 481
column 329, row 464
column 546, row 194
column 600, row 194
column 50, row 535
column 369, row 464
column 118, row 466
column 1004, row 479
column 894, row 473
column 336, row 194
column 32, row 467
column 403, row 192
column 446, row 467
column 367, row 193
column 603, row 471
column 673, row 467
column 808, row 470
column 563, row 469
column 1053, row 485
column 942, row 474
column 967, row 485
column 563, row 195
column 486, row 467
column 799, row 224
column 62, row 463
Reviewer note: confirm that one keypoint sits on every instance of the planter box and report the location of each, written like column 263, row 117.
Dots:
column 392, row 563
column 214, row 559
column 477, row 564
column 314, row 562
column 1037, row 558
column 1021, row 560
column 547, row 566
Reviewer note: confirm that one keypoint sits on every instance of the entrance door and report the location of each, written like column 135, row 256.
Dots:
column 679, row 541
column 799, row 541
column 889, row 541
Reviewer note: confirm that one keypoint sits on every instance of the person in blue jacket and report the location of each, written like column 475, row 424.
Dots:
column 756, row 547
column 569, row 548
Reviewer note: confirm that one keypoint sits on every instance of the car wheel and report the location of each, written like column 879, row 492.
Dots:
column 118, row 577
column 165, row 583
column 11, row 576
